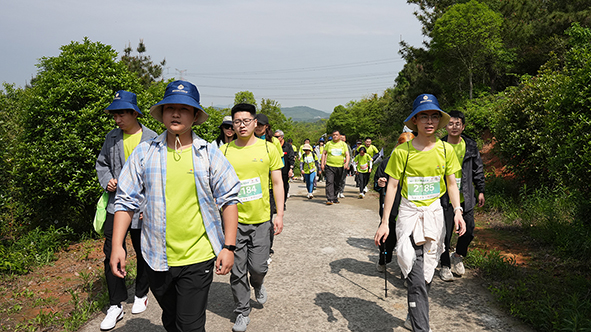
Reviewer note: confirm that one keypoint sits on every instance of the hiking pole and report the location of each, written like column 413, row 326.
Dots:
column 383, row 254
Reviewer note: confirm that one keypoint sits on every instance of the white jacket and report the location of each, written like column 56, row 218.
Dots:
column 427, row 226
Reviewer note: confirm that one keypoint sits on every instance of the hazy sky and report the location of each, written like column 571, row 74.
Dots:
column 320, row 53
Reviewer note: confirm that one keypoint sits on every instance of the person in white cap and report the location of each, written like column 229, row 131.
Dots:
column 227, row 133
column 423, row 167
column 185, row 182
column 118, row 145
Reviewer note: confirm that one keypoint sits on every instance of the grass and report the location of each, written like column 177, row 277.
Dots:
column 553, row 293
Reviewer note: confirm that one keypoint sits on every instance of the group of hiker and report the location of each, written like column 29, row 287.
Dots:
column 195, row 208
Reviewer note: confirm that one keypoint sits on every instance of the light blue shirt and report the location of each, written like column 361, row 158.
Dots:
column 144, row 178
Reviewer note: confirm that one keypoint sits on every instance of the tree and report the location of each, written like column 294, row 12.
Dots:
column 142, row 65
column 64, row 126
column 467, row 35
column 277, row 119
column 245, row 97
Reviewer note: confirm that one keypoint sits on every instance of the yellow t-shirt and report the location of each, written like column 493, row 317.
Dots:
column 130, row 142
column 460, row 150
column 362, row 162
column 371, row 150
column 252, row 165
column 186, row 240
column 336, row 153
column 424, row 179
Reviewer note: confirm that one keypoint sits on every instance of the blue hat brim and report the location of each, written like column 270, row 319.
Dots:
column 122, row 105
column 427, row 107
column 156, row 110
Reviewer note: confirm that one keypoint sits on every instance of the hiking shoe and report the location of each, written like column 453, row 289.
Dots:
column 139, row 304
column 336, row 201
column 341, row 195
column 328, row 202
column 261, row 294
column 310, row 196
column 114, row 314
column 361, row 195
column 241, row 323
column 457, row 266
column 380, row 268
column 445, row 274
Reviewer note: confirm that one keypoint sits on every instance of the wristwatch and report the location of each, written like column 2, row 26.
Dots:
column 229, row 247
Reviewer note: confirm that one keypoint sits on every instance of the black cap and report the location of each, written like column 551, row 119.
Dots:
column 261, row 119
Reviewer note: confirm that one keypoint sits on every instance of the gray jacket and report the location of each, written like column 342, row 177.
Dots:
column 472, row 173
column 111, row 160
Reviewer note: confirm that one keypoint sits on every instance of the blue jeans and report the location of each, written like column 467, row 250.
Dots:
column 309, row 179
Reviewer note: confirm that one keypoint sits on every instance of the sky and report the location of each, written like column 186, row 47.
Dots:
column 316, row 53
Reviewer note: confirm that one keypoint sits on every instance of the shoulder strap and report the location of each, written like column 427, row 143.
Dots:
column 406, row 163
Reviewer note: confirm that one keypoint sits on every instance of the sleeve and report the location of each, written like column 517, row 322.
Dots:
column 452, row 163
column 275, row 160
column 290, row 156
column 103, row 162
column 396, row 163
column 478, row 173
column 130, row 185
column 224, row 183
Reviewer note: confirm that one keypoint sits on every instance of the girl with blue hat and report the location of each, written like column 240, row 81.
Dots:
column 421, row 170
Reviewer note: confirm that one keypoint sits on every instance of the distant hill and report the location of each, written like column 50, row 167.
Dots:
column 304, row 113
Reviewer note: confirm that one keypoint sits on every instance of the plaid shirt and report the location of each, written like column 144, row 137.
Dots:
column 144, row 177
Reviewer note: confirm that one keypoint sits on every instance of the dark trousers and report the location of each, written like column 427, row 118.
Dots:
column 390, row 243
column 285, row 178
column 343, row 181
column 182, row 293
column 142, row 285
column 333, row 181
column 463, row 241
column 363, row 180
column 418, row 292
column 115, row 285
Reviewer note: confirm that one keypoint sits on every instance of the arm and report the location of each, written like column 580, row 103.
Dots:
column 103, row 171
column 478, row 178
column 347, row 158
column 384, row 230
column 323, row 161
column 121, row 223
column 225, row 260
column 454, row 198
column 279, row 200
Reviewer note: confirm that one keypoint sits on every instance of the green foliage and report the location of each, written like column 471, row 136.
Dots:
column 245, row 97
column 63, row 130
column 277, row 119
column 37, row 247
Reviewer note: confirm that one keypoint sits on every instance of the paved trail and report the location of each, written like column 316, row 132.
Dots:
column 323, row 278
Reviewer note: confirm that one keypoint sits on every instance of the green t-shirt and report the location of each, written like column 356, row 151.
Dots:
column 371, row 150
column 460, row 150
column 363, row 163
column 186, row 240
column 252, row 165
column 130, row 142
column 309, row 162
column 424, row 179
column 336, row 153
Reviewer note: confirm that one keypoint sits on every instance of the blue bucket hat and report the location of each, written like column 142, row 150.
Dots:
column 180, row 92
column 426, row 102
column 124, row 100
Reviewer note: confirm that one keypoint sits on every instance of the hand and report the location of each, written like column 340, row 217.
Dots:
column 322, row 168
column 290, row 173
column 481, row 200
column 278, row 224
column 382, row 182
column 382, row 234
column 459, row 224
column 117, row 262
column 112, row 185
column 224, row 262
column 141, row 216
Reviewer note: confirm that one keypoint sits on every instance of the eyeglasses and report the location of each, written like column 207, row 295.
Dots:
column 454, row 124
column 246, row 122
column 424, row 118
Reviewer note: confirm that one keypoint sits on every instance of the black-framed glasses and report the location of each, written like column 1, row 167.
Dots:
column 424, row 118
column 238, row 122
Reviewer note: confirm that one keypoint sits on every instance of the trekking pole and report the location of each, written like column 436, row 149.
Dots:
column 383, row 254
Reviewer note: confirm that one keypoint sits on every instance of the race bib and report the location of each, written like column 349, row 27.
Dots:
column 423, row 188
column 364, row 167
column 308, row 159
column 250, row 190
column 336, row 152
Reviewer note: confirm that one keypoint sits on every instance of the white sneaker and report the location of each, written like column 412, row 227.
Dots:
column 139, row 304
column 445, row 274
column 311, row 195
column 457, row 265
column 365, row 189
column 114, row 314
column 361, row 195
column 241, row 323
column 308, row 195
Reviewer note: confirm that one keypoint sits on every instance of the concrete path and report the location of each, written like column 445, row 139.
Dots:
column 323, row 278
